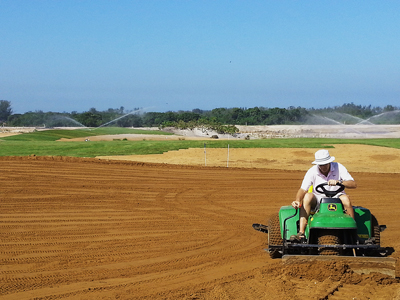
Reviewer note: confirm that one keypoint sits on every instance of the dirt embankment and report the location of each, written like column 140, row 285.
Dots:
column 97, row 229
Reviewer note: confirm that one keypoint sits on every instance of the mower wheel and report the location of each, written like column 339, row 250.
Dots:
column 376, row 231
column 274, row 236
column 328, row 237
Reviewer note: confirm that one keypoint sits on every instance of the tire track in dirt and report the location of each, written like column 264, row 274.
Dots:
column 87, row 229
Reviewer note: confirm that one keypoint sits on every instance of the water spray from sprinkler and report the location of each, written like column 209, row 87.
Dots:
column 138, row 111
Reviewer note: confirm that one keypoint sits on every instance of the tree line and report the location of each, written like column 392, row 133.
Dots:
column 223, row 119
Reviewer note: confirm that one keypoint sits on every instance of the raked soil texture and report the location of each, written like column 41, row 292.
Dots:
column 75, row 228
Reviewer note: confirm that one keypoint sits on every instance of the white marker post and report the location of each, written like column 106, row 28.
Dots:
column 205, row 155
column 227, row 160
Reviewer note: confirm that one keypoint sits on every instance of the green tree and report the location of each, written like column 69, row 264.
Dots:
column 389, row 108
column 5, row 110
column 90, row 118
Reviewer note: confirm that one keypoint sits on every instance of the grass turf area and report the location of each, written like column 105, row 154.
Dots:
column 44, row 143
column 56, row 134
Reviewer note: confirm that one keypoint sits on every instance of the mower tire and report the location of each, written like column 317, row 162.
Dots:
column 274, row 236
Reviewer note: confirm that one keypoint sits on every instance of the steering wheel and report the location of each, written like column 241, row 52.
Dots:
column 321, row 189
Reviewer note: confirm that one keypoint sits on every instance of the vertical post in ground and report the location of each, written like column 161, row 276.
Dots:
column 205, row 155
column 227, row 160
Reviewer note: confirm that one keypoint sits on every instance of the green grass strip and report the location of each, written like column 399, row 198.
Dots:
column 56, row 134
column 45, row 144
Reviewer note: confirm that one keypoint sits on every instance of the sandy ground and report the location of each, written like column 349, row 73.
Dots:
column 341, row 131
column 107, row 229
column 356, row 158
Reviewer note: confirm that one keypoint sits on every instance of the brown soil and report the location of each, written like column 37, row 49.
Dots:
column 100, row 229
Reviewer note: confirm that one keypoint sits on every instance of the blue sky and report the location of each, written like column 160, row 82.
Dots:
column 180, row 55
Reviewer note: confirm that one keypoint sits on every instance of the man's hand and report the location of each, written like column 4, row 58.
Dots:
column 296, row 204
column 333, row 182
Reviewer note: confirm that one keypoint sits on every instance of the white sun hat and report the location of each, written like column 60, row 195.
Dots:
column 322, row 157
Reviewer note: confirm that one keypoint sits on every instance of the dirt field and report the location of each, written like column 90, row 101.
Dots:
column 108, row 229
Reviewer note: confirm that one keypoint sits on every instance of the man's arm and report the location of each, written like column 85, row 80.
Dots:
column 299, row 198
column 347, row 180
column 349, row 184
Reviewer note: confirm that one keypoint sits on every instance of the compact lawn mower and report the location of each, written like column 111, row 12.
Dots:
column 330, row 234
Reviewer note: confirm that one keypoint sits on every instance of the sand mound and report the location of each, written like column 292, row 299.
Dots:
column 357, row 158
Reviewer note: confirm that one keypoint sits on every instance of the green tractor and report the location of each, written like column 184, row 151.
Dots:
column 330, row 231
